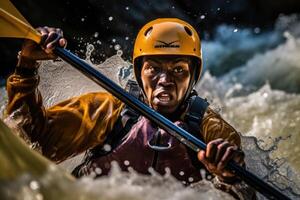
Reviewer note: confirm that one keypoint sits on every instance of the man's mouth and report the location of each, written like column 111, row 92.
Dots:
column 164, row 97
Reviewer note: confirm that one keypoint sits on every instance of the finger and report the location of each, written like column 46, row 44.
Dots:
column 63, row 42
column 211, row 149
column 44, row 34
column 239, row 158
column 54, row 36
column 229, row 154
column 52, row 40
column 209, row 166
column 221, row 149
column 60, row 32
column 50, row 29
column 202, row 157
column 51, row 36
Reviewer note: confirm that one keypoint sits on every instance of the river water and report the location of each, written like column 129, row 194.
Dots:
column 251, row 78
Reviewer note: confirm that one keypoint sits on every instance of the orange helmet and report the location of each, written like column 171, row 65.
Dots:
column 167, row 36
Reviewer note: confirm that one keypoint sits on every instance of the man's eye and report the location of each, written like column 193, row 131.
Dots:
column 154, row 69
column 178, row 70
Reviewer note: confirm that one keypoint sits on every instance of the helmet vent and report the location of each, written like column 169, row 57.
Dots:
column 188, row 31
column 148, row 31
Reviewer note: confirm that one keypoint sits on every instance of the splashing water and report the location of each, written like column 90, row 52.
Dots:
column 251, row 84
column 74, row 83
column 3, row 99
column 118, row 185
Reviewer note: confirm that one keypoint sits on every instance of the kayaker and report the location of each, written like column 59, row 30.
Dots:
column 167, row 63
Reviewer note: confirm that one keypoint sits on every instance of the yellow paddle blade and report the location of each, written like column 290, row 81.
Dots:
column 17, row 159
column 13, row 24
column 10, row 8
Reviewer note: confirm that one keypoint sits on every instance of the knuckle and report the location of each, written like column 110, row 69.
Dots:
column 223, row 145
column 211, row 145
column 219, row 140
column 59, row 31
column 230, row 150
column 52, row 32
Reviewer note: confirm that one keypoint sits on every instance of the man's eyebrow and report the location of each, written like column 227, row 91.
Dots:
column 154, row 60
column 174, row 60
column 180, row 60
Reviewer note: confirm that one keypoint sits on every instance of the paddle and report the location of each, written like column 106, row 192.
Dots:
column 12, row 24
column 17, row 159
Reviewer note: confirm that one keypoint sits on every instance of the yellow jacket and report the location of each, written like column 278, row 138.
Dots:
column 80, row 123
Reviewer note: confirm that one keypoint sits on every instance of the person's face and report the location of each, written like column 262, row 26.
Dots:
column 165, row 81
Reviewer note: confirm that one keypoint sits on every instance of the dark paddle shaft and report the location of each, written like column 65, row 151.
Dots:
column 185, row 137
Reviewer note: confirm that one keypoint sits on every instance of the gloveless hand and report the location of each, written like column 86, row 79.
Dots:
column 218, row 153
column 51, row 38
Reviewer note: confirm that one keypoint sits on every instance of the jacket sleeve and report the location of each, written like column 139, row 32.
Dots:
column 213, row 127
column 67, row 128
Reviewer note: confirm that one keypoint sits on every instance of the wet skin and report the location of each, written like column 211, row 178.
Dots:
column 165, row 81
column 31, row 51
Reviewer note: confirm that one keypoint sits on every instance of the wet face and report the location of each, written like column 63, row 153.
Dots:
column 165, row 81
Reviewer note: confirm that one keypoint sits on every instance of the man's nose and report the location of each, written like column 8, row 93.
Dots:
column 165, row 79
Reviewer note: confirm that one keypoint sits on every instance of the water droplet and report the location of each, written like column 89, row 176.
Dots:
column 96, row 34
column 107, row 147
column 82, row 19
column 119, row 52
column 265, row 95
column 218, row 9
column 202, row 17
column 151, row 170
column 126, row 163
column 257, row 30
column 203, row 173
column 99, row 42
column 98, row 171
column 113, row 40
column 168, row 171
column 235, row 30
column 34, row 185
column 110, row 18
column 90, row 48
column 126, row 38
column 181, row 173
column 117, row 47
column 191, row 179
column 127, row 7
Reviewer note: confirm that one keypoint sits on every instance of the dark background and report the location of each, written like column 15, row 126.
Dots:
column 88, row 21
